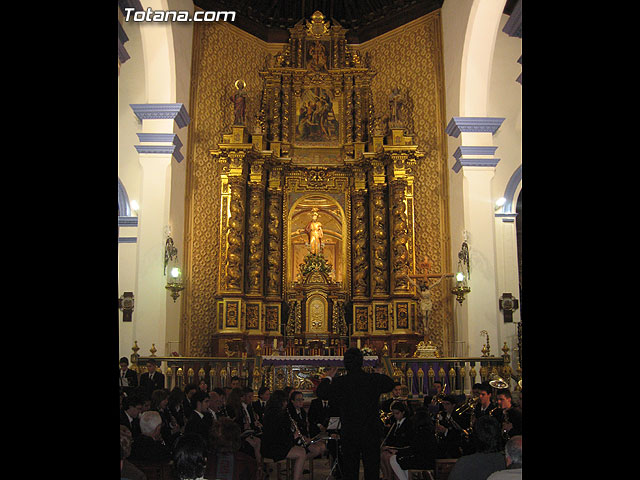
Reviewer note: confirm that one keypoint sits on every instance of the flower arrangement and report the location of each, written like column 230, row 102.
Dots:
column 367, row 351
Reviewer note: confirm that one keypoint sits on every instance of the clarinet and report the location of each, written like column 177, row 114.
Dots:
column 294, row 428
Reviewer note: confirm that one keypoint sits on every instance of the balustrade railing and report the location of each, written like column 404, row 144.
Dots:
column 416, row 374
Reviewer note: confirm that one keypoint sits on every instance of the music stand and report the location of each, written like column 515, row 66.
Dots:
column 334, row 426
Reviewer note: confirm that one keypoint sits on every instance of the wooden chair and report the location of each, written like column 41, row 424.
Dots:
column 155, row 470
column 421, row 475
column 285, row 465
column 443, row 467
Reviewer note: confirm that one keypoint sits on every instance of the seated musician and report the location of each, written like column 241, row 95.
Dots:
column 299, row 414
column 238, row 403
column 421, row 454
column 396, row 395
column 509, row 415
column 281, row 437
column 452, row 430
column 399, row 437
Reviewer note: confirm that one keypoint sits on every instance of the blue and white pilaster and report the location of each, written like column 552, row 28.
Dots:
column 157, row 148
column 475, row 160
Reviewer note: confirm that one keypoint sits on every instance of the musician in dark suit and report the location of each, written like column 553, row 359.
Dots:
column 509, row 416
column 400, row 436
column 421, row 453
column 320, row 411
column 485, row 404
column 128, row 378
column 131, row 408
column 152, row 379
column 449, row 429
column 200, row 421
column 356, row 395
column 263, row 397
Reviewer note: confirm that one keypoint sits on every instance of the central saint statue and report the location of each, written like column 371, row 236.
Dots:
column 314, row 231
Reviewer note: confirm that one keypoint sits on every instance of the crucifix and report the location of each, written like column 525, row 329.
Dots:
column 423, row 287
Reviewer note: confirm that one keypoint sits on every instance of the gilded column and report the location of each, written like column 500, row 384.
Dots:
column 379, row 243
column 255, row 230
column 234, row 264
column 399, row 237
column 274, row 234
column 359, row 236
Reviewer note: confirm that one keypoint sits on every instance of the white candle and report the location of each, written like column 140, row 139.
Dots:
column 358, row 343
column 275, row 343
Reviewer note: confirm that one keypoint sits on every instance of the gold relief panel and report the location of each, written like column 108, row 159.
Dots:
column 380, row 316
column 232, row 314
column 253, row 314
column 361, row 318
column 272, row 318
column 402, row 315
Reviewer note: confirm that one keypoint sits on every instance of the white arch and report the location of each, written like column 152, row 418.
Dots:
column 159, row 56
column 477, row 56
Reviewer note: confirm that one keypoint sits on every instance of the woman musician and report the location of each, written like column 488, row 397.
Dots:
column 398, row 438
column 281, row 436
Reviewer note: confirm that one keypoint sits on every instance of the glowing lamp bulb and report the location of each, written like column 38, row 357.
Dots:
column 460, row 277
column 175, row 272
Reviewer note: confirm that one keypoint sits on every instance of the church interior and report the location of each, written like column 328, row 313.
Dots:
column 309, row 176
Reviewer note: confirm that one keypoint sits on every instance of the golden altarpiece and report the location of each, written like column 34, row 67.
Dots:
column 316, row 227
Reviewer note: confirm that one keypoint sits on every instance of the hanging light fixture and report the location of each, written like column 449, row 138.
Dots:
column 174, row 283
column 462, row 286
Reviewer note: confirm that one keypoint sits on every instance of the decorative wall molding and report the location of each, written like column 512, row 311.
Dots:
column 459, row 125
column 162, row 138
column 124, row 209
column 127, row 221
column 474, row 161
column 162, row 111
column 128, row 240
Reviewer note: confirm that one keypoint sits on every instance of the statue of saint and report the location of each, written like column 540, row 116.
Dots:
column 239, row 103
column 314, row 231
column 395, row 103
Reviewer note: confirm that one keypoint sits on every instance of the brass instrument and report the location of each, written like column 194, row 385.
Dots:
column 295, row 429
column 498, row 383
column 468, row 405
column 385, row 416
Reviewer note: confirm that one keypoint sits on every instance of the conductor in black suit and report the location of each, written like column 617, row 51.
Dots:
column 152, row 379
column 357, row 396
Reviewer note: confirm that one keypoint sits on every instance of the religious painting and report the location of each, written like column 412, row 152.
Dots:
column 317, row 117
column 381, row 315
column 402, row 315
column 253, row 316
column 361, row 319
column 317, row 54
column 271, row 322
column 232, row 320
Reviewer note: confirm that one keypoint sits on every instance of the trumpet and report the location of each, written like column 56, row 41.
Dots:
column 295, row 429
